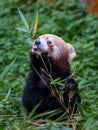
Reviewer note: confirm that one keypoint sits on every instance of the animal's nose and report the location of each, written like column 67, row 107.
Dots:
column 37, row 42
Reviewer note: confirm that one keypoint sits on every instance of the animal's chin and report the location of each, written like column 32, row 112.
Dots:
column 38, row 52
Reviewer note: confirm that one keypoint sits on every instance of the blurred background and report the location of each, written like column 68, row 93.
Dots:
column 73, row 20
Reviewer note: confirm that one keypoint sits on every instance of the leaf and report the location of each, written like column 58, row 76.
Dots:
column 62, row 117
column 58, row 81
column 34, row 110
column 7, row 96
column 22, row 29
column 2, row 75
column 54, row 113
column 88, row 124
column 24, row 20
column 81, row 110
column 47, row 114
column 35, row 24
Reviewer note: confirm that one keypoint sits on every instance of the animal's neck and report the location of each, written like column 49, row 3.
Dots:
column 56, row 67
column 63, row 64
column 60, row 69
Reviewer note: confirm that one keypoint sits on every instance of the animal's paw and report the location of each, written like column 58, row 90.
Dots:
column 70, row 84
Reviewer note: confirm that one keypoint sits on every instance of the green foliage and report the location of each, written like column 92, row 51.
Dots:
column 66, row 19
column 28, row 30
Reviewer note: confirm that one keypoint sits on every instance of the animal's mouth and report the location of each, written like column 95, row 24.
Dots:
column 35, row 47
column 37, row 50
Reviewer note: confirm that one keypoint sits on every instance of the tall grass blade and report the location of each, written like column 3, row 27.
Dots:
column 34, row 110
column 81, row 110
column 88, row 124
column 2, row 75
column 47, row 114
column 35, row 24
column 62, row 117
column 22, row 30
column 7, row 96
column 54, row 114
column 24, row 20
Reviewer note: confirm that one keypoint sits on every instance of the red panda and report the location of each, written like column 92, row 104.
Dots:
column 50, row 59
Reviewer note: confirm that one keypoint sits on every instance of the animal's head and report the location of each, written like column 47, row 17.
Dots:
column 54, row 47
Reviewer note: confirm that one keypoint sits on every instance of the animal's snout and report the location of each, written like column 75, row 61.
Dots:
column 37, row 42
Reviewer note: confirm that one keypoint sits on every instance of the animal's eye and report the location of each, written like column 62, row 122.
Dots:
column 49, row 42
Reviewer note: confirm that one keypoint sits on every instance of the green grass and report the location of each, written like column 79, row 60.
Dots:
column 67, row 20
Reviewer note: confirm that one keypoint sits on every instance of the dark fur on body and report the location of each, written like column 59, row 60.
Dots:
column 38, row 84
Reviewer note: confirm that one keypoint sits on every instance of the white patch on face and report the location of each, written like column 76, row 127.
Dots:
column 56, row 48
column 56, row 52
column 43, row 46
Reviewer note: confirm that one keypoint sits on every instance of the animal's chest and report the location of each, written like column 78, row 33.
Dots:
column 46, row 82
column 44, row 79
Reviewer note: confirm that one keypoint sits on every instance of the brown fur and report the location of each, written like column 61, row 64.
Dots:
column 57, row 56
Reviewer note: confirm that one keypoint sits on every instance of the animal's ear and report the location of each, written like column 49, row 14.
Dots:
column 71, row 52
